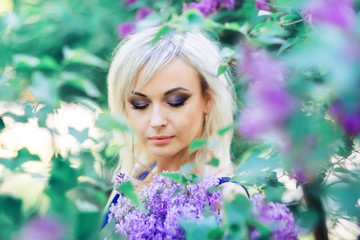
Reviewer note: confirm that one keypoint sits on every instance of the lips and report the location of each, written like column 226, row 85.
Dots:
column 160, row 140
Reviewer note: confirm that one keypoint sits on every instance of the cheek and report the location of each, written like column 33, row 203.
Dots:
column 137, row 123
column 191, row 123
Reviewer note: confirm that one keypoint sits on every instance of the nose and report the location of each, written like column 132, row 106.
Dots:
column 158, row 118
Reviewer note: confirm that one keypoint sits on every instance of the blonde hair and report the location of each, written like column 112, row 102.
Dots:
column 138, row 52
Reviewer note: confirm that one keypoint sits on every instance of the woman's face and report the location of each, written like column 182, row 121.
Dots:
column 168, row 112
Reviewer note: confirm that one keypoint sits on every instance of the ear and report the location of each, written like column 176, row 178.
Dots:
column 208, row 100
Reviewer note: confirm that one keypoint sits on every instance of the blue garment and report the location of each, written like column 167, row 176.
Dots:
column 221, row 181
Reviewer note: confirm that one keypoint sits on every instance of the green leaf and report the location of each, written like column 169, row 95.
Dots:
column 2, row 124
column 24, row 61
column 194, row 17
column 232, row 26
column 44, row 89
column 222, row 69
column 163, row 30
column 23, row 156
column 80, row 82
column 47, row 62
column 216, row 233
column 275, row 15
column 127, row 189
column 286, row 44
column 176, row 177
column 110, row 121
column 87, row 161
column 191, row 19
column 62, row 177
column 256, row 168
column 274, row 194
column 224, row 130
column 109, row 233
column 192, row 178
column 264, row 230
column 82, row 56
column 81, row 136
column 187, row 168
column 198, row 229
column 341, row 170
column 17, row 118
column 197, row 144
column 213, row 162
column 289, row 18
column 87, row 224
column 10, row 210
column 237, row 213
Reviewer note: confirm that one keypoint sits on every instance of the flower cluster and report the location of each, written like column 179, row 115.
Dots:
column 127, row 28
column 269, row 103
column 348, row 116
column 166, row 202
column 277, row 216
column 43, row 228
column 262, row 5
column 208, row 7
column 336, row 13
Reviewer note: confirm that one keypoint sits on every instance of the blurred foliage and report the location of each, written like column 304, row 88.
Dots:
column 52, row 52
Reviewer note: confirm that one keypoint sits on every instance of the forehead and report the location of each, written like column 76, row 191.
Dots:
column 176, row 73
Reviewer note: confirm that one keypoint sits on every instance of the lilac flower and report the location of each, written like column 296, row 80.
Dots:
column 161, row 220
column 348, row 116
column 301, row 175
column 142, row 13
column 227, row 4
column 125, row 29
column 257, row 65
column 129, row 2
column 269, row 104
column 43, row 228
column 208, row 7
column 333, row 12
column 262, row 5
column 167, row 202
column 275, row 215
column 269, row 107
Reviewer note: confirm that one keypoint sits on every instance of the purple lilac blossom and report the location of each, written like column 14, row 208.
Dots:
column 269, row 107
column 227, row 4
column 301, row 175
column 208, row 7
column 262, row 5
column 142, row 13
column 348, row 117
column 129, row 2
column 269, row 103
column 275, row 215
column 163, row 210
column 257, row 65
column 333, row 12
column 125, row 29
column 43, row 228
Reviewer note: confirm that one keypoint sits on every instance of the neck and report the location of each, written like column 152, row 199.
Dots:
column 168, row 164
column 171, row 164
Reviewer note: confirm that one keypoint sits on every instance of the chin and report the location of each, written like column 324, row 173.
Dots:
column 163, row 153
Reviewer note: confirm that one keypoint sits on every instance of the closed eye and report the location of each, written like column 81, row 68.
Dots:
column 177, row 100
column 138, row 104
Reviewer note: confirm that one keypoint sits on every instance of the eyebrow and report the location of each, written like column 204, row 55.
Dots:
column 166, row 93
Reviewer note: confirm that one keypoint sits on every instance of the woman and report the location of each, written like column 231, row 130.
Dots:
column 169, row 93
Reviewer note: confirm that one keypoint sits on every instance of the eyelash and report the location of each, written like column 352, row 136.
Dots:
column 139, row 107
column 175, row 105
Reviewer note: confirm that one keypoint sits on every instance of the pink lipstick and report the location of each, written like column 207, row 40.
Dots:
column 160, row 140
